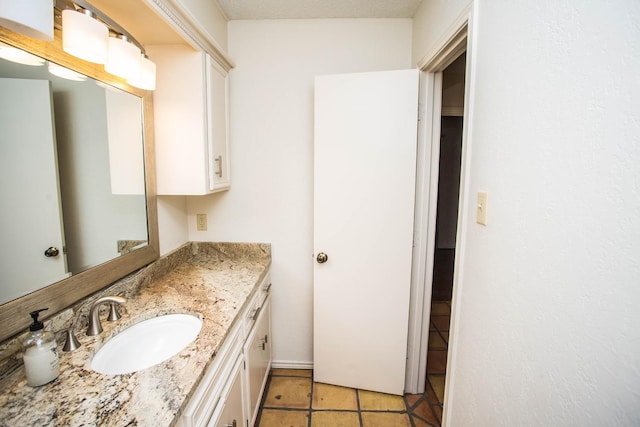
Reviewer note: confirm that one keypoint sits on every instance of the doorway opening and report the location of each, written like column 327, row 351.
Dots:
column 448, row 193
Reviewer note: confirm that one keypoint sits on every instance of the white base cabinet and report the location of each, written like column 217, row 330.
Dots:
column 231, row 389
column 257, row 354
column 232, row 412
column 191, row 122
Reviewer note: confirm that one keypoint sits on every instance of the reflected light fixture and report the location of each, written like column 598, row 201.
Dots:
column 123, row 58
column 33, row 18
column 83, row 36
column 19, row 56
column 65, row 73
column 145, row 78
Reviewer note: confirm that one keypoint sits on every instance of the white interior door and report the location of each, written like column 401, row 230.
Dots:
column 364, row 180
column 30, row 214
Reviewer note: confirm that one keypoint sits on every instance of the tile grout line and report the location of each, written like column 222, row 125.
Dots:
column 408, row 410
column 358, row 406
column 311, row 400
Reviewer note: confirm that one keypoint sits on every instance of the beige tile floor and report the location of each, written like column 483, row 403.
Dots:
column 293, row 399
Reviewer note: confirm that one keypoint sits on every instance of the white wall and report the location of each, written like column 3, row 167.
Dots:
column 431, row 21
column 172, row 222
column 547, row 320
column 271, row 194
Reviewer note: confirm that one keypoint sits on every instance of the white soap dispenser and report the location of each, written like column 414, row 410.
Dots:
column 40, row 354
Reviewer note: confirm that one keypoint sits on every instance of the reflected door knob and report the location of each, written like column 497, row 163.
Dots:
column 51, row 252
column 322, row 258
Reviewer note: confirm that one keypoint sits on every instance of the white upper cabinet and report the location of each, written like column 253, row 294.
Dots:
column 191, row 122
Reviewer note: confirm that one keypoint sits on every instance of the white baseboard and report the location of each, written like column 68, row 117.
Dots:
column 291, row 364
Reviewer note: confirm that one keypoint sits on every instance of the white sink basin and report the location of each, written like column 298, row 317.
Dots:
column 146, row 344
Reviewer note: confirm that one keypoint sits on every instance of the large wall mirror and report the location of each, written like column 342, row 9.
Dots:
column 77, row 179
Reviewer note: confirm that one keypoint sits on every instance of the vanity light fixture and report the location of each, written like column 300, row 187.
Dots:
column 83, row 36
column 91, row 35
column 123, row 57
column 145, row 78
column 87, row 34
column 33, row 18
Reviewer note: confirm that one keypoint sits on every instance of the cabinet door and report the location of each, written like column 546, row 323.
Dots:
column 217, row 127
column 191, row 122
column 232, row 414
column 257, row 353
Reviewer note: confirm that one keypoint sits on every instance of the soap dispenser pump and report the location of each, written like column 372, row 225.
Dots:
column 40, row 354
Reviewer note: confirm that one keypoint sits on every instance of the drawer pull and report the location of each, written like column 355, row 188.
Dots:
column 267, row 288
column 255, row 314
column 233, row 424
column 262, row 344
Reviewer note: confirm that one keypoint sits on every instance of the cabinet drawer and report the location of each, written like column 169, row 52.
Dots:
column 256, row 304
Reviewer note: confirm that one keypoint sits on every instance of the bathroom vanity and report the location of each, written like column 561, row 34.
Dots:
column 216, row 380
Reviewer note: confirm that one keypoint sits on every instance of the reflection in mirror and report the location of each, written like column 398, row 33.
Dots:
column 77, row 179
column 72, row 168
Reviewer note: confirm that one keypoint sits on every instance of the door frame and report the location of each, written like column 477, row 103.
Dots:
column 458, row 38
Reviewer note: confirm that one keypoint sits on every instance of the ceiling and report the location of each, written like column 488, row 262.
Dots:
column 136, row 17
column 309, row 9
column 148, row 28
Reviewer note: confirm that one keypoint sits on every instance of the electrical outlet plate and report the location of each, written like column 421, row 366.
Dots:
column 201, row 220
column 481, row 214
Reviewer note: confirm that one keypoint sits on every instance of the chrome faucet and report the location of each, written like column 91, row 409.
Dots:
column 95, row 327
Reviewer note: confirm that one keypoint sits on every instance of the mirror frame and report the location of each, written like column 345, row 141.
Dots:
column 14, row 315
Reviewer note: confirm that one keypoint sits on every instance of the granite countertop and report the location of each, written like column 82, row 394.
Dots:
column 211, row 281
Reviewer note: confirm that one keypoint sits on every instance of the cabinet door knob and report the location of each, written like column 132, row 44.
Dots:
column 51, row 252
column 322, row 258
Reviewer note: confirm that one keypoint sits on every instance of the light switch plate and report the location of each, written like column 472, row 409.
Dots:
column 201, row 220
column 481, row 214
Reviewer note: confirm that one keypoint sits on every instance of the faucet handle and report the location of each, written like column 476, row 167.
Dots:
column 113, row 312
column 71, row 343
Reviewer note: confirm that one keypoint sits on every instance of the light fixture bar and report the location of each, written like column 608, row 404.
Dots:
column 95, row 37
column 113, row 26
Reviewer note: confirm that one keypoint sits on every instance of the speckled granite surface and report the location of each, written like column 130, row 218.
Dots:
column 212, row 281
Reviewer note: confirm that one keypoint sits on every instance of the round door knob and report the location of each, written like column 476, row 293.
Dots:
column 51, row 252
column 322, row 258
